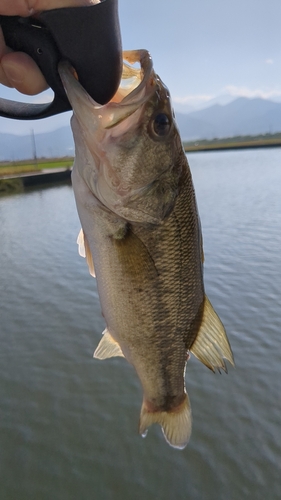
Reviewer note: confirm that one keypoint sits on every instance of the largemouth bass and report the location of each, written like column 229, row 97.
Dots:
column 142, row 240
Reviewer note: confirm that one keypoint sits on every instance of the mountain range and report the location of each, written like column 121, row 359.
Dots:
column 242, row 116
column 55, row 144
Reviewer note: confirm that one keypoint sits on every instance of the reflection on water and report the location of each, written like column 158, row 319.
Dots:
column 68, row 423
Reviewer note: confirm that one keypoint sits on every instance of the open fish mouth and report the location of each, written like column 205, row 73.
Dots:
column 105, row 136
column 136, row 87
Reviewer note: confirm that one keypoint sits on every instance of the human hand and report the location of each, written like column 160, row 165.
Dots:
column 17, row 69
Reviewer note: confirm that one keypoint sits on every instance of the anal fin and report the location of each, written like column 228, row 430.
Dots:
column 211, row 345
column 108, row 347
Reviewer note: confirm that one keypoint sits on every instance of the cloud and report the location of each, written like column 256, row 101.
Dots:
column 224, row 96
column 251, row 93
column 269, row 61
column 193, row 99
column 189, row 98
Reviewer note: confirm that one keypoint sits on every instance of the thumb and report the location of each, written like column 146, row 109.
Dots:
column 22, row 73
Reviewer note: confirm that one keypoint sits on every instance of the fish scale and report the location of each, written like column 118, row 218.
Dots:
column 141, row 232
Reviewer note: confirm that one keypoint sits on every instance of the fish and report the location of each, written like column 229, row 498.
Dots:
column 141, row 237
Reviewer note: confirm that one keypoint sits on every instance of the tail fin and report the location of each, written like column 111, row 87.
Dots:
column 176, row 424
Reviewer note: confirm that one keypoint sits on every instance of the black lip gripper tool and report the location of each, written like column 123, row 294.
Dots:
column 88, row 37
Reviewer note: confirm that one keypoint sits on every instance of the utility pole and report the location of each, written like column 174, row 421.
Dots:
column 34, row 149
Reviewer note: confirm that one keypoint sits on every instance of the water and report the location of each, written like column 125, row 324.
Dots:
column 68, row 423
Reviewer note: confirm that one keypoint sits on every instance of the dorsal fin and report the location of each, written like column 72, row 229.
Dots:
column 84, row 251
column 211, row 345
column 108, row 347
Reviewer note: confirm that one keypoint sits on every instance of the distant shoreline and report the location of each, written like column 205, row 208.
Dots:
column 18, row 183
column 31, row 166
column 232, row 143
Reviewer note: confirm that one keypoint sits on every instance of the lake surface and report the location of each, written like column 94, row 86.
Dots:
column 68, row 423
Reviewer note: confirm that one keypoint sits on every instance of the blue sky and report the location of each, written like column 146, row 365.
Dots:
column 202, row 49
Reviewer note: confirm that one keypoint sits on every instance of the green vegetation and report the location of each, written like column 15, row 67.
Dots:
column 239, row 142
column 10, row 186
column 29, row 166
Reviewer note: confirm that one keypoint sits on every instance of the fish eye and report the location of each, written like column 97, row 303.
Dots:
column 161, row 124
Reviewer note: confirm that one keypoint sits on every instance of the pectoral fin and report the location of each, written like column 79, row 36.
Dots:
column 108, row 347
column 211, row 345
column 84, row 251
column 133, row 256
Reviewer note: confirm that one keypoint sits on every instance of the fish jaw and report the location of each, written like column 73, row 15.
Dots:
column 95, row 122
column 117, row 136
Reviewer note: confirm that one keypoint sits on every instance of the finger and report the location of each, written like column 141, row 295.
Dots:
column 3, row 50
column 28, row 7
column 22, row 73
column 3, row 79
column 19, row 70
column 56, row 4
column 16, row 8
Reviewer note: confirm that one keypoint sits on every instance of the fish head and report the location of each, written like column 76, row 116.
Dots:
column 128, row 151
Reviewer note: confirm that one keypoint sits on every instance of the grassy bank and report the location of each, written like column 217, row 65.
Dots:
column 27, row 166
column 239, row 142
